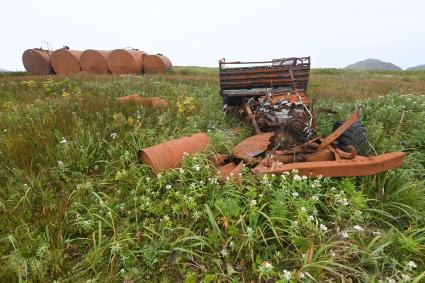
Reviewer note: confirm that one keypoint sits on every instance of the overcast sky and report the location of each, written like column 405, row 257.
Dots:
column 334, row 33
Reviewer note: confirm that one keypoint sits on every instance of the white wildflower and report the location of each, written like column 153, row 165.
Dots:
column 60, row 163
column 358, row 228
column 147, row 179
column 196, row 167
column 323, row 227
column 295, row 194
column 311, row 217
column 166, row 218
column 304, row 177
column 295, row 222
column 405, row 277
column 344, row 235
column 185, row 154
column 303, row 209
column 302, row 275
column 412, row 264
column 344, row 202
column 168, row 186
column 224, row 252
column 159, row 176
column 390, row 280
column 315, row 198
column 63, row 141
column 297, row 177
column 213, row 181
column 253, row 202
column 181, row 171
column 114, row 136
column 333, row 253
column 287, row 274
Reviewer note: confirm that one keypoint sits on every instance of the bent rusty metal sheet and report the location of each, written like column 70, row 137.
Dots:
column 358, row 166
column 341, row 129
column 252, row 146
column 230, row 171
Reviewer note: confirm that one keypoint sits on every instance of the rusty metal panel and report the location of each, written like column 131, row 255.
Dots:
column 252, row 146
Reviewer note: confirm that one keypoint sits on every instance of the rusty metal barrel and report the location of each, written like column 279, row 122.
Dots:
column 168, row 155
column 126, row 61
column 66, row 61
column 37, row 61
column 156, row 64
column 95, row 61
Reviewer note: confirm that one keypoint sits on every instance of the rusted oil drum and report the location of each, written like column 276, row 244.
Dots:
column 65, row 61
column 37, row 61
column 168, row 155
column 95, row 61
column 156, row 64
column 126, row 61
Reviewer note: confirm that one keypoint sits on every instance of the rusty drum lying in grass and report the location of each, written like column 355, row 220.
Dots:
column 156, row 64
column 126, row 61
column 95, row 61
column 37, row 61
column 168, row 155
column 66, row 61
column 154, row 101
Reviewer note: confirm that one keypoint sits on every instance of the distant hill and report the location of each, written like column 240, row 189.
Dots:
column 2, row 70
column 373, row 64
column 417, row 68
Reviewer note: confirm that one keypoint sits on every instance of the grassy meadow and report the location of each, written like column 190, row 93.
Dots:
column 76, row 205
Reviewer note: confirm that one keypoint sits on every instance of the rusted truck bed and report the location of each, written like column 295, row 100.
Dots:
column 251, row 79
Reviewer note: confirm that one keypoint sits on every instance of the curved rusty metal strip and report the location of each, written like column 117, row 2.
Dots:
column 341, row 129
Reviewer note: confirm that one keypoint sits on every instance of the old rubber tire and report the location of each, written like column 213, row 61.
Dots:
column 355, row 136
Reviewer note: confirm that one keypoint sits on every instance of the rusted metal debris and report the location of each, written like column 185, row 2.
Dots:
column 252, row 147
column 152, row 101
column 230, row 171
column 272, row 97
column 168, row 155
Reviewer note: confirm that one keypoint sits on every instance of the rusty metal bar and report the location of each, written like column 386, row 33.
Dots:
column 358, row 166
column 341, row 129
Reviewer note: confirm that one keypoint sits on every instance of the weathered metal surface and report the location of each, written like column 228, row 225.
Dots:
column 156, row 64
column 126, row 61
column 218, row 159
column 230, row 171
column 168, row 155
column 252, row 146
column 154, row 102
column 65, row 61
column 235, row 75
column 37, row 61
column 358, row 166
column 95, row 61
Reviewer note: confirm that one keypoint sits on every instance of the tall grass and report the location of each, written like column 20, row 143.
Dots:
column 77, row 205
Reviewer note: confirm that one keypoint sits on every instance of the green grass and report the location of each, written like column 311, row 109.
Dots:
column 77, row 205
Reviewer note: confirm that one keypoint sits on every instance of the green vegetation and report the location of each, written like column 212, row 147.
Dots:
column 77, row 206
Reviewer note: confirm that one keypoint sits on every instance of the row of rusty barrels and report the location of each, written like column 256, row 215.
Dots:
column 119, row 61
